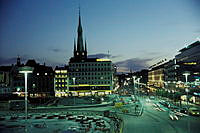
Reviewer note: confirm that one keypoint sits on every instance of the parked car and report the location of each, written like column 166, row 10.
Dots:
column 184, row 110
column 194, row 111
column 151, row 97
column 165, row 104
column 16, row 104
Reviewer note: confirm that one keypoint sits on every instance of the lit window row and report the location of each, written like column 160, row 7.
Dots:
column 60, row 76
column 61, row 71
column 61, row 80
column 63, row 85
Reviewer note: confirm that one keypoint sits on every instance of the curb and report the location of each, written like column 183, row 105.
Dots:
column 72, row 107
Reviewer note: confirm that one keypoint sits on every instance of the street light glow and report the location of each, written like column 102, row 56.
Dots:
column 25, row 70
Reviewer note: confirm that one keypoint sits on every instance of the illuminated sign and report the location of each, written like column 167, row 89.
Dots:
column 190, row 63
column 103, row 60
column 87, row 85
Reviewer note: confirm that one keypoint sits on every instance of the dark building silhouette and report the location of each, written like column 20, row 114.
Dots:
column 41, row 81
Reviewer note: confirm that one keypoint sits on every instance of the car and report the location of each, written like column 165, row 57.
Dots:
column 184, row 110
column 194, row 111
column 151, row 97
column 16, row 104
column 165, row 104
column 148, row 100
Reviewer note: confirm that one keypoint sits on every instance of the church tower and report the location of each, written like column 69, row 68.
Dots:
column 79, row 51
column 18, row 61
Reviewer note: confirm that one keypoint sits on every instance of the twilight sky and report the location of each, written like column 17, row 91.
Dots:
column 137, row 33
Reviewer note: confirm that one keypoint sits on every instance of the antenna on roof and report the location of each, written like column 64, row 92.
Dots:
column 108, row 54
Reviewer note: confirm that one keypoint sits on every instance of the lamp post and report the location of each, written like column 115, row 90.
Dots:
column 139, row 84
column 173, row 95
column 187, row 90
column 186, row 82
column 74, row 88
column 134, row 83
column 139, row 81
column 25, row 70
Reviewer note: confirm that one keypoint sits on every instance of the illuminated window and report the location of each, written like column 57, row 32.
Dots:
column 63, row 80
column 57, row 71
column 62, row 85
column 63, row 71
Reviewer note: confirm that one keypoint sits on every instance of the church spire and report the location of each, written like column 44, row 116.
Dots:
column 18, row 61
column 79, row 22
column 74, row 47
column 80, row 47
column 85, row 49
column 85, row 46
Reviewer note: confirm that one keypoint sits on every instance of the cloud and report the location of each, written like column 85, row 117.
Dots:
column 197, row 31
column 56, row 50
column 116, row 56
column 11, row 60
column 102, row 55
column 134, row 64
column 24, row 59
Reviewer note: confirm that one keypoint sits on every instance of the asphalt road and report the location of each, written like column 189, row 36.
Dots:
column 154, row 121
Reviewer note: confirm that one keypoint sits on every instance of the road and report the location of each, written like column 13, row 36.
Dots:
column 151, row 121
column 154, row 121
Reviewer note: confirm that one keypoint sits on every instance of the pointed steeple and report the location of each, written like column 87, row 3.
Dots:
column 85, row 49
column 18, row 61
column 79, row 23
column 74, row 47
column 85, row 46
column 80, row 47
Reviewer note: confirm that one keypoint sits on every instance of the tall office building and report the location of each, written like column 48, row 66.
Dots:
column 88, row 76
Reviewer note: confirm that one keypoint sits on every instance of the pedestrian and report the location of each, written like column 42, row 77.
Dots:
column 136, row 108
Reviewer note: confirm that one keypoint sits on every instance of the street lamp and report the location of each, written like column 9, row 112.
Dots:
column 186, row 82
column 173, row 95
column 139, row 81
column 25, row 70
column 187, row 90
column 134, row 83
column 74, row 88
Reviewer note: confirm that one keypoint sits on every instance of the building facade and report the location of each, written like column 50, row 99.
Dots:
column 61, row 81
column 156, row 77
column 188, row 61
column 88, row 76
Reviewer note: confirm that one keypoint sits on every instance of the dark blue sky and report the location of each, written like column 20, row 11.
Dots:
column 137, row 33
